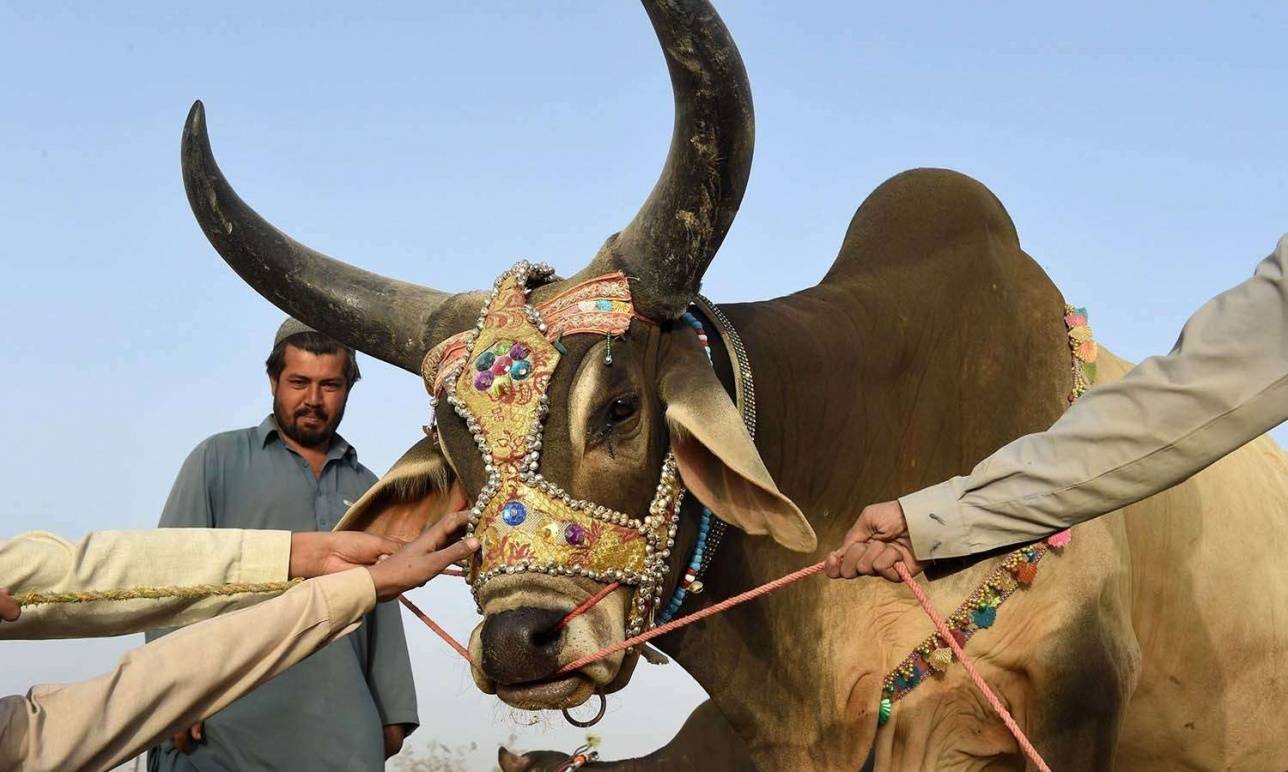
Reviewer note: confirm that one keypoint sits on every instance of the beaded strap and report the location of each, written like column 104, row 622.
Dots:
column 711, row 528
column 1019, row 568
column 690, row 581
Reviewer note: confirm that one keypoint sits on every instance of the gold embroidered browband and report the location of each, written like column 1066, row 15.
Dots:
column 496, row 378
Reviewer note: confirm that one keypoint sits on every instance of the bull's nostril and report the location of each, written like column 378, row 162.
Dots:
column 543, row 638
column 521, row 644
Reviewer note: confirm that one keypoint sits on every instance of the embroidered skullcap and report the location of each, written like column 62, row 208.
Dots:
column 290, row 327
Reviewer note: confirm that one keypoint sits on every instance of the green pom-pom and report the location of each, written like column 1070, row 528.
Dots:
column 883, row 713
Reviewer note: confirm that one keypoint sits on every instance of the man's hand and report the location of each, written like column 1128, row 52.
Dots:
column 187, row 739
column 422, row 559
column 9, row 608
column 878, row 540
column 315, row 554
column 394, row 736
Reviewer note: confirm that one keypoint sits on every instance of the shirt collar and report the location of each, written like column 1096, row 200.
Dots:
column 267, row 431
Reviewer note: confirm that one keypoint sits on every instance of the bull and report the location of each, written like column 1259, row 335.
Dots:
column 933, row 339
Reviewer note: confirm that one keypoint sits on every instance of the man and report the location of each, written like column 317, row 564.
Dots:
column 1224, row 384
column 351, row 705
column 169, row 683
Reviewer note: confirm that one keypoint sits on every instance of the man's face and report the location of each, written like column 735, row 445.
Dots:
column 309, row 396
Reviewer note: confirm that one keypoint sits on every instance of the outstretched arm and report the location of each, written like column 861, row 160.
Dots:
column 196, row 671
column 183, row 557
column 1223, row 384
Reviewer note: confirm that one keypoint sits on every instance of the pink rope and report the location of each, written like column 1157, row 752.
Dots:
column 975, row 677
column 432, row 625
column 940, row 626
column 675, row 624
column 587, row 605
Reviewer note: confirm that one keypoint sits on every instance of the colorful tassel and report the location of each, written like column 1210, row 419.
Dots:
column 1060, row 540
column 1025, row 572
column 940, row 659
column 984, row 617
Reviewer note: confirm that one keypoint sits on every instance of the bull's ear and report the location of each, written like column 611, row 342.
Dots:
column 718, row 461
column 417, row 490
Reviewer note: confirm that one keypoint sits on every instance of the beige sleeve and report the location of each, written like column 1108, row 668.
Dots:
column 1224, row 384
column 117, row 560
column 178, row 680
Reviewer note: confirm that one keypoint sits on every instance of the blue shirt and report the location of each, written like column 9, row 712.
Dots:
column 328, row 711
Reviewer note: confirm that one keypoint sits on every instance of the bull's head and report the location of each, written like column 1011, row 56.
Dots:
column 566, row 409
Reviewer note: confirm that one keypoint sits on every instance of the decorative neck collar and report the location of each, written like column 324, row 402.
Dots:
column 711, row 529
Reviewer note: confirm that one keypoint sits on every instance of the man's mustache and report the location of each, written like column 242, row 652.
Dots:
column 310, row 411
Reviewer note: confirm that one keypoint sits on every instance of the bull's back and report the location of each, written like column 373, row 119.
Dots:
column 1209, row 600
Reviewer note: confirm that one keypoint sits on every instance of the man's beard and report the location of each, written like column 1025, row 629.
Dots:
column 303, row 435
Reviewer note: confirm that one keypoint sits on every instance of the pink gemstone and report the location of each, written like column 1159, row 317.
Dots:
column 501, row 365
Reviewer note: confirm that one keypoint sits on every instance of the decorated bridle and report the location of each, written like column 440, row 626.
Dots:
column 496, row 377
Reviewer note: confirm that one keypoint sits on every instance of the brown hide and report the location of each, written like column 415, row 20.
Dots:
column 953, row 340
column 950, row 341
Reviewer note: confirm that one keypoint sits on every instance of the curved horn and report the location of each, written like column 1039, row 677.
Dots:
column 385, row 318
column 671, row 241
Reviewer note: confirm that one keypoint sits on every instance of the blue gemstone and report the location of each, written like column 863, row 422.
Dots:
column 520, row 370
column 984, row 617
column 484, row 362
column 514, row 513
column 604, row 305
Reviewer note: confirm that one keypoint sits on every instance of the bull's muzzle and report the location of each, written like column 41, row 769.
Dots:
column 521, row 645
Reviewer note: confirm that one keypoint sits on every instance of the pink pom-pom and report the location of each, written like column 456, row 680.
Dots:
column 1060, row 540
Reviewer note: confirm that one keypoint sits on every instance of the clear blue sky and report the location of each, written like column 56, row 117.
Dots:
column 1139, row 147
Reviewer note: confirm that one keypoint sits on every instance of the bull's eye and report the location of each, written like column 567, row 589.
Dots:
column 622, row 408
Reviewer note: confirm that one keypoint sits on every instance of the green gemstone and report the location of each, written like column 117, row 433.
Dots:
column 883, row 713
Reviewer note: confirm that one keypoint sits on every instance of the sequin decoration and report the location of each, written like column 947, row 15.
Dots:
column 526, row 522
column 514, row 513
column 574, row 534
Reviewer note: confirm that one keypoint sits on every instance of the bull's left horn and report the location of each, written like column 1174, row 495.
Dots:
column 385, row 318
column 674, row 236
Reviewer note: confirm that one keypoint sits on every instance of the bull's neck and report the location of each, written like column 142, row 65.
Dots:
column 864, row 393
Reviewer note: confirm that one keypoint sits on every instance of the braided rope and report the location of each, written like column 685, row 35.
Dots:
column 757, row 592
column 975, row 677
column 191, row 591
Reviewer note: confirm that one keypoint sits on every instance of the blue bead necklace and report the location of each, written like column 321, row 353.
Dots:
column 689, row 581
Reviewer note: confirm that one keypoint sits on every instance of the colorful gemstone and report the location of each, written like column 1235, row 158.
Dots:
column 518, row 351
column 500, row 348
column 500, row 385
column 604, row 305
column 520, row 370
column 883, row 712
column 500, row 365
column 483, row 381
column 984, row 617
column 514, row 513
column 575, row 535
column 485, row 360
